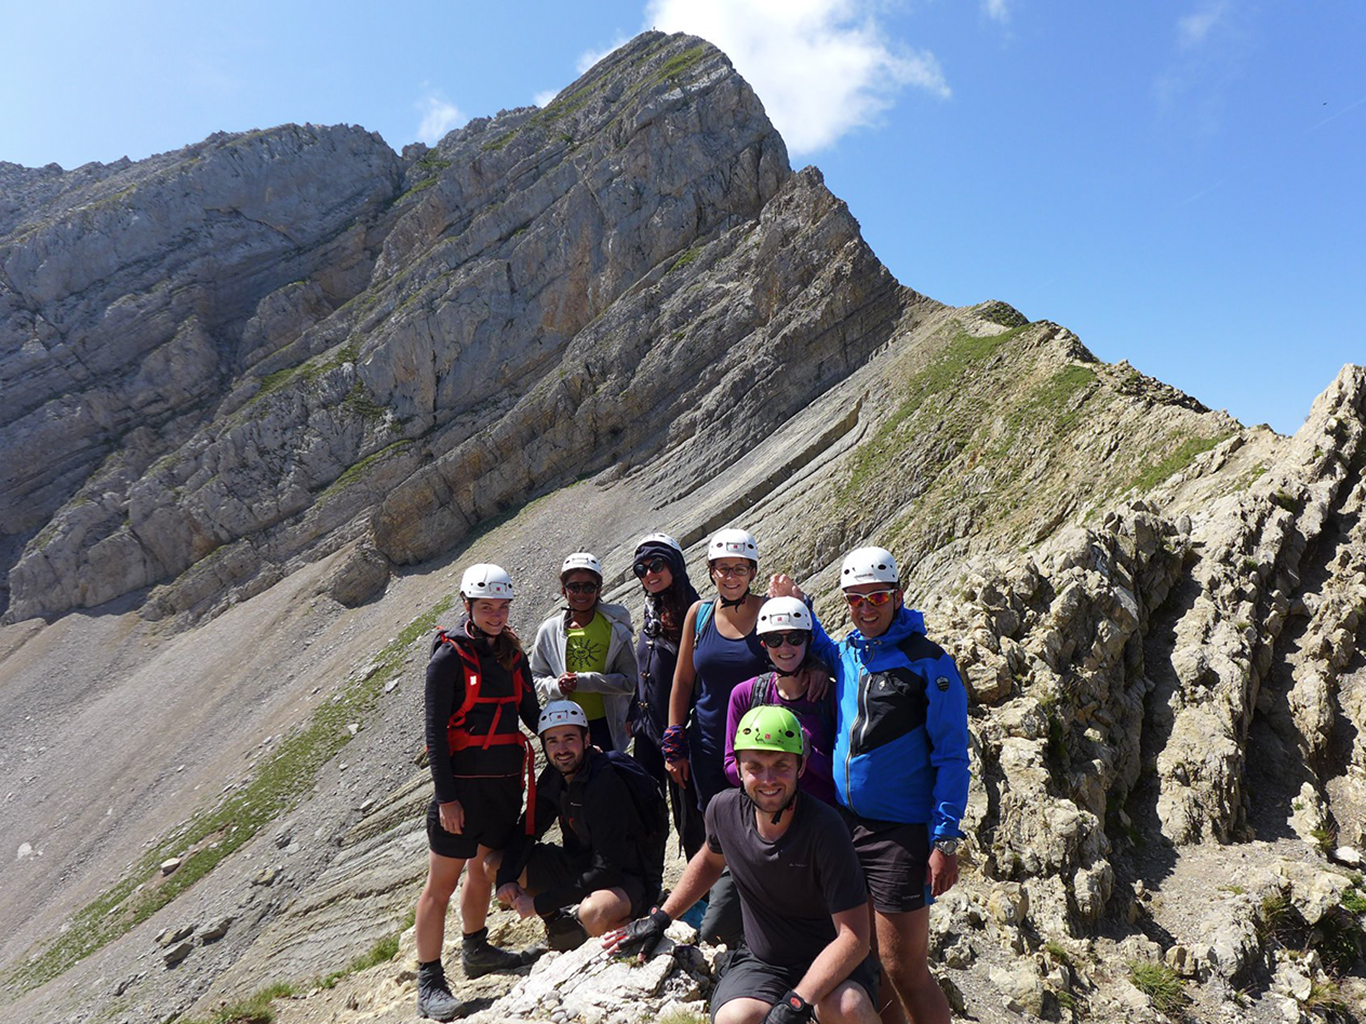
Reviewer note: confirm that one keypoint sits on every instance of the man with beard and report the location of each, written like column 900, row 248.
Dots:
column 613, row 823
column 802, row 894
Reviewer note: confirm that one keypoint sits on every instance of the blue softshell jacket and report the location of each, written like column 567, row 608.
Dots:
column 901, row 726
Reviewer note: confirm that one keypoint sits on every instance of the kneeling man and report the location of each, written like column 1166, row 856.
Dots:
column 614, row 828
column 802, row 893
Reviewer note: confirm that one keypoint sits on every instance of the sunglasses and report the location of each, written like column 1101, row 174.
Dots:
column 877, row 598
column 775, row 640
column 643, row 569
column 581, row 588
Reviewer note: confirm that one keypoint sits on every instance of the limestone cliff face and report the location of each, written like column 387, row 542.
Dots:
column 256, row 416
column 131, row 298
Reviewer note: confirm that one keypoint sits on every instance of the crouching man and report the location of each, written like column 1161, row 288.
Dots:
column 802, row 893
column 614, row 826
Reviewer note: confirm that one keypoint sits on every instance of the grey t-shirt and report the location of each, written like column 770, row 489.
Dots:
column 789, row 888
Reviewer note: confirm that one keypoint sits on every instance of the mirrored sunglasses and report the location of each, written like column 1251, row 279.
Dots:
column 581, row 588
column 877, row 598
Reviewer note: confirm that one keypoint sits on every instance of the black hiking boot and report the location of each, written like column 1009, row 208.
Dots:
column 478, row 958
column 564, row 931
column 434, row 997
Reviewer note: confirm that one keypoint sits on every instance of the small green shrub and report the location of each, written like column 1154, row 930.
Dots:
column 1339, row 941
column 685, row 258
column 1287, row 501
column 256, row 1008
column 1162, row 985
column 1276, row 915
column 1353, row 901
column 1325, row 836
column 1058, row 953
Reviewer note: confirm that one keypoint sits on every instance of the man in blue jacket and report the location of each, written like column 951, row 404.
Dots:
column 900, row 766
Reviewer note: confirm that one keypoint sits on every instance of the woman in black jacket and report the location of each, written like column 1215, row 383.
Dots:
column 669, row 594
column 478, row 686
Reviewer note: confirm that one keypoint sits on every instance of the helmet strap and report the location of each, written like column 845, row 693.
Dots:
column 777, row 817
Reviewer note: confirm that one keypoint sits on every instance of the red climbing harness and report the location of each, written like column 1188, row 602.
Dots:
column 459, row 737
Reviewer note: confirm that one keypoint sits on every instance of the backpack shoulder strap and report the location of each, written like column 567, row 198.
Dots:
column 759, row 691
column 703, row 617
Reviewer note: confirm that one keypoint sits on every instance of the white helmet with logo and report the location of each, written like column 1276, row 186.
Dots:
column 486, row 580
column 561, row 712
column 733, row 544
column 779, row 614
column 868, row 565
column 581, row 560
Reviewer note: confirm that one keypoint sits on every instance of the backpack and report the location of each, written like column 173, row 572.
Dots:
column 647, row 796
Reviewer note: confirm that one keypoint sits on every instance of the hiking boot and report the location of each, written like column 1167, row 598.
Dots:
column 478, row 958
column 564, row 931
column 434, row 997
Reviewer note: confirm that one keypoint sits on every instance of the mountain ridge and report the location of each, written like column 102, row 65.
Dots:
column 562, row 328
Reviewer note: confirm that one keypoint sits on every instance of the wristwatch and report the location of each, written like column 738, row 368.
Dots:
column 948, row 847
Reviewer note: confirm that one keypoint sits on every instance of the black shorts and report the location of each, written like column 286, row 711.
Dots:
column 492, row 807
column 894, row 857
column 748, row 977
column 549, row 867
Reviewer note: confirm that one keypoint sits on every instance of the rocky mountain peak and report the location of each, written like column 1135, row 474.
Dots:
column 265, row 395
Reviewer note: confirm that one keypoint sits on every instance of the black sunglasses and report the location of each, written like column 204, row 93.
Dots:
column 581, row 588
column 775, row 640
column 642, row 569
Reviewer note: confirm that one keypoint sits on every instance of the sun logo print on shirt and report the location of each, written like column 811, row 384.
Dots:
column 582, row 654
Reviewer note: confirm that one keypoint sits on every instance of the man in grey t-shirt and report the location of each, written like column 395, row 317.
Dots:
column 802, row 893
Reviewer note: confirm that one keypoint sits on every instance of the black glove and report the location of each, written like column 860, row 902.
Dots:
column 790, row 1009
column 643, row 934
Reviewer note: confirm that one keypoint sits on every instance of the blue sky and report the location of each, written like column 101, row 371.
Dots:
column 1181, row 183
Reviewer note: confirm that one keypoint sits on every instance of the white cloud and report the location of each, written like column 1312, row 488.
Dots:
column 542, row 98
column 996, row 10
column 821, row 67
column 1192, row 29
column 590, row 57
column 439, row 116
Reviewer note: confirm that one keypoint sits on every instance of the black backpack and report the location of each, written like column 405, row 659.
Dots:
column 647, row 796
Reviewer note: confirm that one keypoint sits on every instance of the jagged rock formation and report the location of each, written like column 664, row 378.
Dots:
column 275, row 409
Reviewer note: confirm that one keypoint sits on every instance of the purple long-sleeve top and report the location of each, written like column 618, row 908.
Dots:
column 817, row 719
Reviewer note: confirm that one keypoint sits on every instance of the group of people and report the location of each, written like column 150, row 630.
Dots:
column 816, row 786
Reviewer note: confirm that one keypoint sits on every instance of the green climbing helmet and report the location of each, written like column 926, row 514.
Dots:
column 769, row 727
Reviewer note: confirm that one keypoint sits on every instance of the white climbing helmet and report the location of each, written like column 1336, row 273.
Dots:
column 779, row 614
column 484, row 579
column 561, row 712
column 733, row 544
column 868, row 565
column 659, row 538
column 581, row 560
